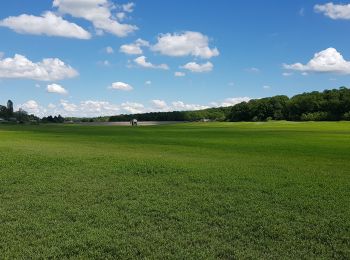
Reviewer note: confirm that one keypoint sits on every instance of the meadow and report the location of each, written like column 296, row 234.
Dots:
column 275, row 190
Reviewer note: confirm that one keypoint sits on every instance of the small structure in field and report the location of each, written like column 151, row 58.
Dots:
column 133, row 122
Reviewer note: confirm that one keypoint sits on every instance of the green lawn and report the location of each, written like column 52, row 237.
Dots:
column 218, row 190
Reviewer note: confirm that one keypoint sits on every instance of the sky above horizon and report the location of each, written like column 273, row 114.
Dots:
column 106, row 57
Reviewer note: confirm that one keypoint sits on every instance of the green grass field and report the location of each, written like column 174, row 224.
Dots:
column 219, row 190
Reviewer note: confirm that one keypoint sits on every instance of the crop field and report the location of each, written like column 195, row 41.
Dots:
column 275, row 190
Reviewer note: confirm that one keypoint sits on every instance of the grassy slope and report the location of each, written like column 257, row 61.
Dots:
column 267, row 190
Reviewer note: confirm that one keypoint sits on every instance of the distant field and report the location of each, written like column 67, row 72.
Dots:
column 140, row 123
column 207, row 190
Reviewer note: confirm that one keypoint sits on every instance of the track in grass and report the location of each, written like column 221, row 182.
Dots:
column 204, row 190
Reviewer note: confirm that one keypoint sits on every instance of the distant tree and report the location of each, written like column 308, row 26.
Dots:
column 10, row 107
column 3, row 112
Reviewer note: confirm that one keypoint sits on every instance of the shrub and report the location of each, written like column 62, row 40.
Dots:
column 316, row 116
column 346, row 116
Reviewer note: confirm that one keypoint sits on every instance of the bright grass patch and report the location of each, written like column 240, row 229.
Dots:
column 218, row 190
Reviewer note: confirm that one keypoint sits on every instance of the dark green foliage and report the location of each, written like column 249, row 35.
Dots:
column 20, row 116
column 315, row 106
column 53, row 119
column 217, row 114
column 346, row 116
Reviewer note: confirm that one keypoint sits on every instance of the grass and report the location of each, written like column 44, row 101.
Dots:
column 274, row 190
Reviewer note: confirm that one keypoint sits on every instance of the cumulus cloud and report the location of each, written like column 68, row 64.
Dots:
column 159, row 104
column 94, row 108
column 129, row 7
column 134, row 48
column 180, row 105
column 50, row 69
column 185, row 44
column 98, row 107
column 88, row 108
column 121, row 16
column 266, row 87
column 31, row 106
column 121, row 86
column 68, row 107
column 148, row 82
column 55, row 88
column 47, row 24
column 142, row 62
column 334, row 11
column 98, row 12
column 179, row 74
column 231, row 101
column 51, row 106
column 326, row 61
column 198, row 68
column 133, row 108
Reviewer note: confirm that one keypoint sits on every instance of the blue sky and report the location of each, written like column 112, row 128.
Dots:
column 226, row 51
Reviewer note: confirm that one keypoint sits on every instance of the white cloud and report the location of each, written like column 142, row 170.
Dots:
column 96, row 11
column 198, row 68
column 266, row 87
column 287, row 74
column 50, row 69
column 253, row 70
column 159, row 104
column 94, row 108
column 47, row 24
column 326, row 61
column 91, row 107
column 121, row 16
column 334, row 11
column 131, row 49
column 179, row 74
column 121, row 86
column 109, row 50
column 134, row 48
column 179, row 105
column 148, row 82
column 1, row 54
column 232, row 101
column 142, row 62
column 68, row 107
column 51, row 106
column 129, row 7
column 185, row 44
column 55, row 88
column 37, row 85
column 133, row 108
column 31, row 106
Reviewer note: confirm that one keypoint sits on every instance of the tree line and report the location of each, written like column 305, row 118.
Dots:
column 329, row 105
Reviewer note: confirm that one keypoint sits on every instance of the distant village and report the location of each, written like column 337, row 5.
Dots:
column 8, row 115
